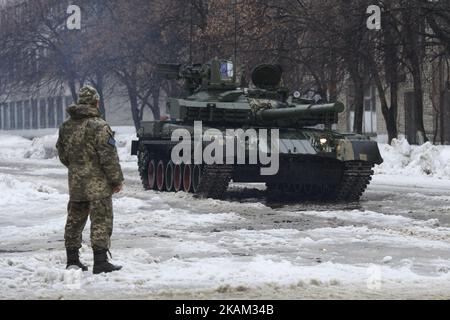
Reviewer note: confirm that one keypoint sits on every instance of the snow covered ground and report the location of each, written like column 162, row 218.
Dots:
column 394, row 244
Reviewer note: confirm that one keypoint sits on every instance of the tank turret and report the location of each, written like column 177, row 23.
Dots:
column 212, row 96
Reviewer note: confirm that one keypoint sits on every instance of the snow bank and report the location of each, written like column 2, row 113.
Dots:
column 29, row 210
column 425, row 160
column 12, row 147
column 124, row 147
column 44, row 147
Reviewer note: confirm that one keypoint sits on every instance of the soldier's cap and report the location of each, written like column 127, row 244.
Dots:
column 88, row 96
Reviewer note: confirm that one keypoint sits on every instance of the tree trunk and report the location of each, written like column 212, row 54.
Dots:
column 73, row 90
column 100, row 89
column 132, row 95
column 358, row 104
column 391, row 70
column 389, row 113
column 391, row 120
column 333, row 86
column 418, row 105
column 155, row 105
column 413, row 46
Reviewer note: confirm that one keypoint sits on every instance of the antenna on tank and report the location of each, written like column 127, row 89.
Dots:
column 243, row 80
column 191, row 31
column 235, row 30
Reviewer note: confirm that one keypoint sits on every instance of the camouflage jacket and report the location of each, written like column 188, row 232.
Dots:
column 86, row 146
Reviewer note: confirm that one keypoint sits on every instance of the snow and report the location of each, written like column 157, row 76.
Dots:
column 387, row 259
column 12, row 147
column 401, row 158
column 44, row 147
column 172, row 245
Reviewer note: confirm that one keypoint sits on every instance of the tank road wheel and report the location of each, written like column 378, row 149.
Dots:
column 160, row 172
column 169, row 176
column 151, row 175
column 196, row 178
column 177, row 177
column 187, row 178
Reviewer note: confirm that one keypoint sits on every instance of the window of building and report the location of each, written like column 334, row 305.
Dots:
column 12, row 115
column 1, row 116
column 370, row 103
column 42, row 113
column 59, row 111
column 27, row 114
column 5, row 117
column 370, row 110
column 34, row 114
column 51, row 113
column 19, row 110
column 69, row 101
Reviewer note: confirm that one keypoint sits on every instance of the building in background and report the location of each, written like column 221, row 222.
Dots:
column 436, row 89
column 43, row 107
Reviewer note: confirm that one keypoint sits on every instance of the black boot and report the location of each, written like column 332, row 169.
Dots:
column 101, row 263
column 73, row 260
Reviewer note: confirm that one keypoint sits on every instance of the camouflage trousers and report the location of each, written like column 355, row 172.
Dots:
column 101, row 216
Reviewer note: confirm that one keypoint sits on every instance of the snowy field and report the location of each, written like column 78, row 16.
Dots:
column 395, row 244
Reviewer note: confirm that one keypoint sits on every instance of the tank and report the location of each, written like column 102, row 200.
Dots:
column 261, row 133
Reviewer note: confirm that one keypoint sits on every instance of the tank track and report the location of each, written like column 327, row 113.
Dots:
column 215, row 180
column 356, row 176
column 143, row 159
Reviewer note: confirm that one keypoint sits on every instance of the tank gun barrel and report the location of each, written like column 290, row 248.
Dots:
column 298, row 111
column 178, row 71
column 168, row 71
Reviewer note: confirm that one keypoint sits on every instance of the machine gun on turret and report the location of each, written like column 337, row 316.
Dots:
column 215, row 75
column 191, row 74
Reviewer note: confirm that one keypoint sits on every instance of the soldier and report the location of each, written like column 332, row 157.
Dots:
column 86, row 146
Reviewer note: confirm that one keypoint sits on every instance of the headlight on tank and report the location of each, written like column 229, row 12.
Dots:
column 324, row 144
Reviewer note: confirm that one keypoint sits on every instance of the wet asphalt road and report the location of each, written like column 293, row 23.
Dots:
column 421, row 202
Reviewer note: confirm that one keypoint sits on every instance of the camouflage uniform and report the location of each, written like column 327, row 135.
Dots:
column 86, row 146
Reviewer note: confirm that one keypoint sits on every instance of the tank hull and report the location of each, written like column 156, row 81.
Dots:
column 340, row 171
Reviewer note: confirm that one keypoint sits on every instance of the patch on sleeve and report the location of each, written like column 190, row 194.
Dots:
column 111, row 133
column 112, row 142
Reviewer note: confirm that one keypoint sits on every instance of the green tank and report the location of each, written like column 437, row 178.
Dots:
column 218, row 131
